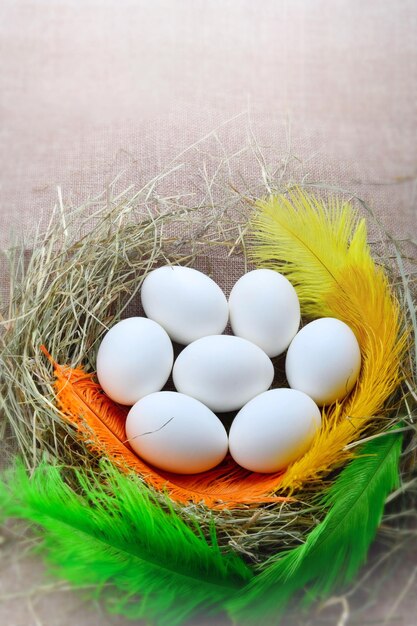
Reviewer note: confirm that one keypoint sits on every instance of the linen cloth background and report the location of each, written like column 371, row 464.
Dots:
column 91, row 89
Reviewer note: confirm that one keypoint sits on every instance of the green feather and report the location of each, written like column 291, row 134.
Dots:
column 152, row 565
column 145, row 561
column 337, row 547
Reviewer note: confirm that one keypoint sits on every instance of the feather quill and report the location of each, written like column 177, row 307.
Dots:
column 337, row 547
column 322, row 249
column 144, row 561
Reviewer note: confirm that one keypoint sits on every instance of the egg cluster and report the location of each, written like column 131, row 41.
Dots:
column 217, row 373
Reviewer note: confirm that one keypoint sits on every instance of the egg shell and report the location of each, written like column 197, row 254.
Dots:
column 186, row 302
column 176, row 433
column 264, row 308
column 222, row 371
column 273, row 430
column 324, row 360
column 134, row 359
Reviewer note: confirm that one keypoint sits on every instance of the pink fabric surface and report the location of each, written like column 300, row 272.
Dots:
column 88, row 90
column 92, row 89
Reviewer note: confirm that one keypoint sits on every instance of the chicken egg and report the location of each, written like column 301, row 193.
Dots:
column 264, row 308
column 176, row 433
column 134, row 359
column 324, row 360
column 273, row 430
column 184, row 301
column 222, row 371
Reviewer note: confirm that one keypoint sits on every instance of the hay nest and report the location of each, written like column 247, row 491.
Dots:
column 84, row 273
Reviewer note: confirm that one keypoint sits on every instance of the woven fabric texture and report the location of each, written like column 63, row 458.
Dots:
column 92, row 90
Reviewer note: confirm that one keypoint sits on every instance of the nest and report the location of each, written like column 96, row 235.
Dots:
column 85, row 273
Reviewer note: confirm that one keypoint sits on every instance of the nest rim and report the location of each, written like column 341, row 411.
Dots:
column 254, row 532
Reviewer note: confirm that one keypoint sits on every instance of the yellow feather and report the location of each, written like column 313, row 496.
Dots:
column 322, row 249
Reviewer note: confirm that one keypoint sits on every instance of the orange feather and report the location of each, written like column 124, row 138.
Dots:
column 100, row 425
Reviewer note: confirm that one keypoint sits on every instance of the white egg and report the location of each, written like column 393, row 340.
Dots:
column 324, row 360
column 273, row 430
column 186, row 302
column 222, row 371
column 264, row 308
column 135, row 358
column 176, row 433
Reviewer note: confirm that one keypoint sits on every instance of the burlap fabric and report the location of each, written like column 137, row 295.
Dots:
column 100, row 88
